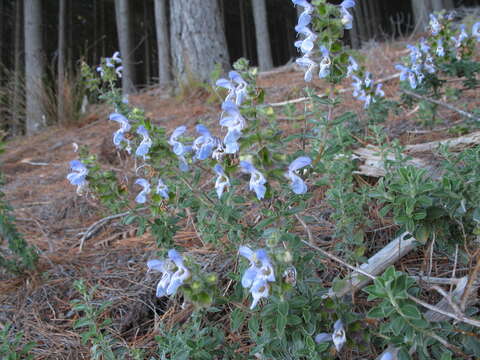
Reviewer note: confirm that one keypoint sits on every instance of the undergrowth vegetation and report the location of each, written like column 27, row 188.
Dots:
column 248, row 190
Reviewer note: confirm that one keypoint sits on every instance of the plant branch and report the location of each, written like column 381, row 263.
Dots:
column 441, row 103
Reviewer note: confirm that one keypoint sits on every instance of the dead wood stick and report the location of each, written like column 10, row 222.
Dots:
column 389, row 255
column 435, row 315
column 322, row 95
column 441, row 103
column 457, row 143
column 92, row 229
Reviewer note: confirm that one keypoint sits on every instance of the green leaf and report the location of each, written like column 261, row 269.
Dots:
column 253, row 326
column 280, row 324
column 294, row 320
column 283, row 308
column 411, row 311
column 376, row 313
column 403, row 355
column 236, row 319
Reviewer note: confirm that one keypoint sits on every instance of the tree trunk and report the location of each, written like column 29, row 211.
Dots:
column 242, row 28
column 34, row 62
column 421, row 10
column 17, row 80
column 146, row 29
column 62, row 14
column 361, row 31
column 264, row 51
column 197, row 39
column 163, row 43
column 1, row 42
column 125, row 40
column 448, row 4
column 437, row 5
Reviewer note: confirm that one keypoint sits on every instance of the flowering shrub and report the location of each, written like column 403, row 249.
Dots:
column 245, row 165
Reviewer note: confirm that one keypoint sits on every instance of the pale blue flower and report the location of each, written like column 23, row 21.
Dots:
column 435, row 25
column 257, row 180
column 142, row 196
column 101, row 71
column 476, row 30
column 146, row 143
column 178, row 147
column 162, row 189
column 325, row 63
column 257, row 276
column 116, row 57
column 118, row 136
column 347, row 18
column 424, row 47
column 429, row 65
column 338, row 336
column 378, row 91
column 308, row 8
column 406, row 73
column 440, row 50
column 178, row 276
column 461, row 37
column 298, row 185
column 170, row 281
column 240, row 88
column 233, row 120
column 204, row 144
column 78, row 175
column 387, row 356
column 352, row 66
column 309, row 64
column 222, row 180
column 236, row 86
column 307, row 44
column 118, row 71
column 260, row 289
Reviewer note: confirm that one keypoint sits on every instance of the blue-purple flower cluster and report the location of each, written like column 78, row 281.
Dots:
column 78, row 176
column 423, row 58
column 365, row 90
column 174, row 273
column 338, row 336
column 114, row 62
column 258, row 275
column 306, row 45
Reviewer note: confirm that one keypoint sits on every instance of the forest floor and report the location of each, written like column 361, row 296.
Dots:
column 53, row 217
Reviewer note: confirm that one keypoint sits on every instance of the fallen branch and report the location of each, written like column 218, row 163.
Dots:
column 323, row 95
column 95, row 227
column 453, row 144
column 436, row 314
column 440, row 103
column 389, row 255
column 373, row 164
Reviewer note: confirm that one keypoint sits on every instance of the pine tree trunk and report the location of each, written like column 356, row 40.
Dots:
column 95, row 31
column 421, row 10
column 437, row 5
column 17, row 80
column 361, row 32
column 448, row 4
column 125, row 39
column 163, row 42
column 197, row 39
column 62, row 14
column 264, row 51
column 1, row 42
column 34, row 62
column 146, row 28
column 243, row 30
